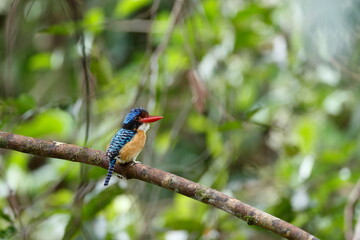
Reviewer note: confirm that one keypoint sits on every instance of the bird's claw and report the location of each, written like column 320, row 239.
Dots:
column 134, row 162
column 121, row 177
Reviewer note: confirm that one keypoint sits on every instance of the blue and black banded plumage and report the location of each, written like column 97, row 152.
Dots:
column 122, row 137
column 128, row 142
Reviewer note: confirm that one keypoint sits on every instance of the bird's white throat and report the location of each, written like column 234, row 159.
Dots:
column 144, row 127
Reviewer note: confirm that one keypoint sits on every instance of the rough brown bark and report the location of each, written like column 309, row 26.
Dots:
column 249, row 214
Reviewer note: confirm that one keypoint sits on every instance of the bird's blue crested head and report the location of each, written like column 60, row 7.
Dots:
column 134, row 113
column 136, row 117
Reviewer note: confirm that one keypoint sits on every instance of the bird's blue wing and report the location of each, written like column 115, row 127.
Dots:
column 122, row 137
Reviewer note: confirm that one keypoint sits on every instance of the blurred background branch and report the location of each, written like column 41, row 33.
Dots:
column 349, row 214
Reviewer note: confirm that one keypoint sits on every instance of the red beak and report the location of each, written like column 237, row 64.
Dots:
column 151, row 119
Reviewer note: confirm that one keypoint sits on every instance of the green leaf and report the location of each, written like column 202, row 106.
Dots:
column 306, row 133
column 160, row 25
column 246, row 96
column 25, row 102
column 40, row 61
column 214, row 142
column 228, row 126
column 186, row 214
column 199, row 123
column 212, row 9
column 253, row 111
column 126, row 7
column 59, row 198
column 5, row 217
column 7, row 233
column 94, row 20
column 283, row 209
column 162, row 142
column 20, row 159
column 101, row 69
column 101, row 201
column 51, row 122
column 291, row 150
column 65, row 28
column 175, row 59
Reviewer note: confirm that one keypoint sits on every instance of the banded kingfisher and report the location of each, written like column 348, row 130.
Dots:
column 128, row 142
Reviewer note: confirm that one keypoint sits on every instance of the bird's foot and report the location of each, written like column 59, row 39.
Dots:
column 121, row 177
column 134, row 162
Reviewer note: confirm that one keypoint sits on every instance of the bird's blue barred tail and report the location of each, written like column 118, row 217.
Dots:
column 110, row 171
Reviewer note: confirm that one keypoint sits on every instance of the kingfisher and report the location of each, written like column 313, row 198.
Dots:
column 128, row 142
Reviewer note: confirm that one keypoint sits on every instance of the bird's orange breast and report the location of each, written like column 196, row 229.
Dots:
column 132, row 149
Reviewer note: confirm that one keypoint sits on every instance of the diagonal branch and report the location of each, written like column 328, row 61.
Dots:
column 349, row 212
column 247, row 213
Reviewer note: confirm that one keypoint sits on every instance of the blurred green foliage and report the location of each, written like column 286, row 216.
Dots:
column 260, row 101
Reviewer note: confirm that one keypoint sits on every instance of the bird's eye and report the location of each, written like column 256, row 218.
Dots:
column 137, row 118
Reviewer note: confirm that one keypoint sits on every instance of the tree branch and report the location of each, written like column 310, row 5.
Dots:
column 349, row 213
column 247, row 213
